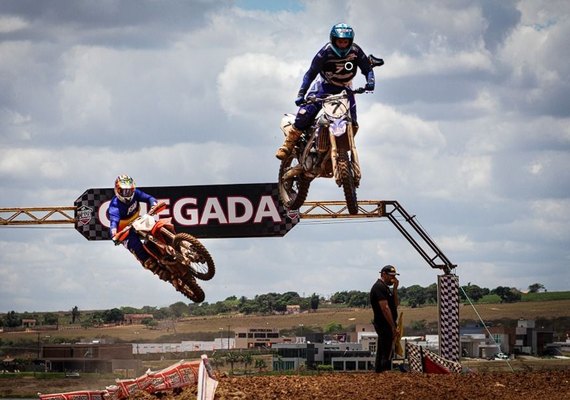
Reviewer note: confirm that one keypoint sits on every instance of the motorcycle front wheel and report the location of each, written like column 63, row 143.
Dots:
column 195, row 256
column 347, row 180
column 292, row 191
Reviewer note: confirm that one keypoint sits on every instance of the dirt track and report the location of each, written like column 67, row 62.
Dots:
column 504, row 386
column 542, row 385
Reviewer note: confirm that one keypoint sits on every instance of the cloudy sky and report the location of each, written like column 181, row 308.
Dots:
column 469, row 129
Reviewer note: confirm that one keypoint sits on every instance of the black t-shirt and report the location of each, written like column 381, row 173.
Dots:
column 381, row 291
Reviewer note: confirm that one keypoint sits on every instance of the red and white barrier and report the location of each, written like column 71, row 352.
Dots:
column 180, row 375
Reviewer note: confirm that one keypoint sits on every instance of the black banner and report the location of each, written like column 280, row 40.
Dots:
column 210, row 211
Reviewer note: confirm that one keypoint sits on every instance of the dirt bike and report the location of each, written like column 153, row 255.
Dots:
column 180, row 256
column 325, row 150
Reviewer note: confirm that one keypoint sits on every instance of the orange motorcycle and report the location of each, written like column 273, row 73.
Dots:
column 180, row 255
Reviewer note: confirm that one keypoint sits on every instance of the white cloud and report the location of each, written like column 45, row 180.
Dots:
column 11, row 24
column 468, row 128
column 394, row 128
column 255, row 81
column 456, row 243
column 402, row 65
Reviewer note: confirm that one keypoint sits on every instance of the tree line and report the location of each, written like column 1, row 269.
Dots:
column 269, row 303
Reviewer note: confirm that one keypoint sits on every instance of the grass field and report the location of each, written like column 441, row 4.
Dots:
column 347, row 317
column 529, row 297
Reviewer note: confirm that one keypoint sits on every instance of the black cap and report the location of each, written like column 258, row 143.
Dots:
column 389, row 269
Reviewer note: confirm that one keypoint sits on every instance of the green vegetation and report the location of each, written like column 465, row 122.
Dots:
column 546, row 296
column 526, row 297
column 489, row 299
column 274, row 303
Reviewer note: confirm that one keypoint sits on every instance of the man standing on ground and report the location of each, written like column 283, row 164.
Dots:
column 384, row 303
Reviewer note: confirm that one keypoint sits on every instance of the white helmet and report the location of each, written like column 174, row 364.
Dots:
column 125, row 188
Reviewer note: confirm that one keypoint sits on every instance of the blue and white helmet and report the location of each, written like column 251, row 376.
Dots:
column 341, row 31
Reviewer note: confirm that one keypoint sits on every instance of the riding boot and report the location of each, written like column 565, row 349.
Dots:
column 292, row 136
column 153, row 266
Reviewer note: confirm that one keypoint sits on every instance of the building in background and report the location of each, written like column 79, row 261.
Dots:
column 133, row 319
column 90, row 357
column 530, row 340
column 340, row 356
column 252, row 337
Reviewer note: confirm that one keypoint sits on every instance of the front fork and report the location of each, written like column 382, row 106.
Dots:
column 354, row 156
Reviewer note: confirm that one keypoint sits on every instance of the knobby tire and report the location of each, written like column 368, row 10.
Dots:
column 190, row 288
column 294, row 191
column 347, row 179
column 201, row 262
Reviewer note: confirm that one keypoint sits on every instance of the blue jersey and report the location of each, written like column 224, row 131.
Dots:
column 335, row 70
column 121, row 214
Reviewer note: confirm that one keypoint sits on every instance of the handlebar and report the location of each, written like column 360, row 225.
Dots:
column 315, row 99
column 158, row 207
column 120, row 236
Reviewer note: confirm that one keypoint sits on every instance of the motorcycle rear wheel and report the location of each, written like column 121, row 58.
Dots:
column 292, row 192
column 190, row 288
column 347, row 180
column 196, row 257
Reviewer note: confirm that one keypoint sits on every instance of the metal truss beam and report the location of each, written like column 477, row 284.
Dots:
column 37, row 215
column 338, row 209
column 391, row 209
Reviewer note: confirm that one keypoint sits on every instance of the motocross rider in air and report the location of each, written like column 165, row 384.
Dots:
column 335, row 64
column 124, row 208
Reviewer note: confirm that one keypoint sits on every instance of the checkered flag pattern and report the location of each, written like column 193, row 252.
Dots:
column 451, row 366
column 288, row 220
column 448, row 302
column 86, row 219
column 416, row 354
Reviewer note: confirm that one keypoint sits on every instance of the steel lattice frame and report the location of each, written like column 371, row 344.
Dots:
column 37, row 215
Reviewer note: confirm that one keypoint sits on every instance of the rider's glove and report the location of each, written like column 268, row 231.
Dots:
column 300, row 98
column 114, row 237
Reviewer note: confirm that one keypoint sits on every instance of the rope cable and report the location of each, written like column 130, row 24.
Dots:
column 485, row 326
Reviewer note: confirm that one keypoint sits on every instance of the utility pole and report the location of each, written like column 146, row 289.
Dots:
column 39, row 347
column 228, row 337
